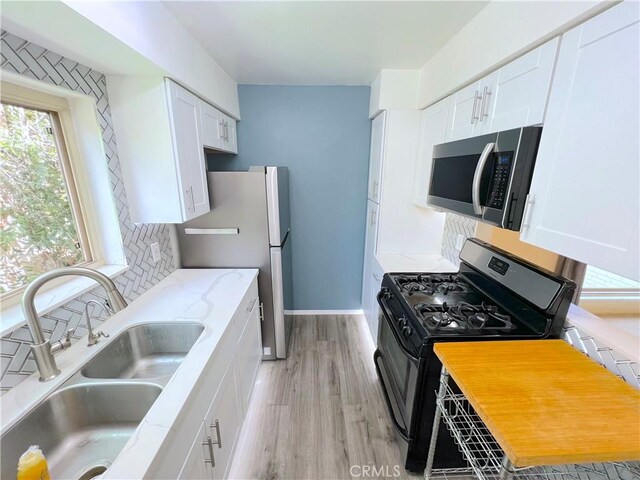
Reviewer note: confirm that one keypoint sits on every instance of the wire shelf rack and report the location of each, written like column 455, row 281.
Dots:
column 485, row 457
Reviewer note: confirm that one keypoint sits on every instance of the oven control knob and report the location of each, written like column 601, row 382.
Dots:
column 406, row 330
column 402, row 322
column 385, row 293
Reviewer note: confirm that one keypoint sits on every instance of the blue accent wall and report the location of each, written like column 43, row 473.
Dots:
column 321, row 133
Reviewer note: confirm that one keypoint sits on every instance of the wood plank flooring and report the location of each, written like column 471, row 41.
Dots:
column 319, row 414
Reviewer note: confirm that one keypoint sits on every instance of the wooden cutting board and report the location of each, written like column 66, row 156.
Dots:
column 545, row 402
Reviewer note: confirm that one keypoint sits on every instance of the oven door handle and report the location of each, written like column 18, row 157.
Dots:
column 402, row 431
column 477, row 176
column 385, row 312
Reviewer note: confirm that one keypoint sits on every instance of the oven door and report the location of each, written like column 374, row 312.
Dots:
column 487, row 177
column 397, row 370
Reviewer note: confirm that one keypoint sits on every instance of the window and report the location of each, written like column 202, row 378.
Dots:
column 40, row 217
column 607, row 293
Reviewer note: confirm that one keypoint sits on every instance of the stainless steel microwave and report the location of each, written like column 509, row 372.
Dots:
column 486, row 178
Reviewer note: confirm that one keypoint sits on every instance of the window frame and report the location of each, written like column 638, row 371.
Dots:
column 102, row 215
column 62, row 125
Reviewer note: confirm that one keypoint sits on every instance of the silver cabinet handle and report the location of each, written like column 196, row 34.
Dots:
column 216, row 425
column 226, row 131
column 193, row 202
column 210, row 445
column 261, row 312
column 477, row 176
column 372, row 219
column 485, row 102
column 187, row 192
column 221, row 129
column 375, row 188
column 476, row 97
column 526, row 217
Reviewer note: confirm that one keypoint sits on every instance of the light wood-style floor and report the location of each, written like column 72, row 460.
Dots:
column 320, row 413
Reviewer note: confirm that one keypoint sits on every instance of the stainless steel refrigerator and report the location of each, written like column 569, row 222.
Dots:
column 249, row 227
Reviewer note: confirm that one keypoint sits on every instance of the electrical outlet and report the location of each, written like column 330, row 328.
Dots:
column 155, row 252
column 459, row 242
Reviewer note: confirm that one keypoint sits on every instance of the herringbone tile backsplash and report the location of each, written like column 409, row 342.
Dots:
column 30, row 60
column 455, row 225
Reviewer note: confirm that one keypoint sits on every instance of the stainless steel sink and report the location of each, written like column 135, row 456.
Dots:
column 151, row 350
column 81, row 429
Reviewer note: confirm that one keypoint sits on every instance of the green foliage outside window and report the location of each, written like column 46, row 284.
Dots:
column 37, row 227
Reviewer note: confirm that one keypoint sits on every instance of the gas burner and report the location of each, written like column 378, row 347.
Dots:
column 431, row 284
column 463, row 317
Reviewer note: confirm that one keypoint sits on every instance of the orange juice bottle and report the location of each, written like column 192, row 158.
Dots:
column 32, row 465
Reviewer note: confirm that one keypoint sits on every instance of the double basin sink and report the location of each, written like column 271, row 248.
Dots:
column 83, row 426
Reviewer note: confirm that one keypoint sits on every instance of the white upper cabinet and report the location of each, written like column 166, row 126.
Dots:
column 375, row 156
column 513, row 96
column 464, row 116
column 184, row 116
column 516, row 95
column 433, row 131
column 162, row 131
column 585, row 195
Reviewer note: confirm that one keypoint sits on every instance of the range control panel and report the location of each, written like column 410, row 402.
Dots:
column 498, row 265
column 499, row 179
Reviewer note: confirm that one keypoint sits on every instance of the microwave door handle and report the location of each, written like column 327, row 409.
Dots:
column 477, row 176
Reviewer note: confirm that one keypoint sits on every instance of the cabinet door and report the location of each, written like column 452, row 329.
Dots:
column 197, row 466
column 249, row 356
column 232, row 138
column 371, row 239
column 464, row 116
column 222, row 424
column 190, row 159
column 433, row 130
column 212, row 126
column 374, row 308
column 583, row 201
column 516, row 95
column 375, row 156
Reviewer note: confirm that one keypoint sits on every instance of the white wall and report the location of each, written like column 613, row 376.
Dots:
column 393, row 89
column 124, row 38
column 501, row 32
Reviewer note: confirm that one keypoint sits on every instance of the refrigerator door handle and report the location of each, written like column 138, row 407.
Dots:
column 212, row 231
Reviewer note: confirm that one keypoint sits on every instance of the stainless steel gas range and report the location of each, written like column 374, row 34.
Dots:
column 494, row 296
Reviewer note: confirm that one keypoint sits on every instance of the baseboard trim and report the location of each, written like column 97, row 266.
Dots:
column 324, row 312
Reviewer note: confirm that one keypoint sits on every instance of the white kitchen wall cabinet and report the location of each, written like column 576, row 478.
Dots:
column 375, row 156
column 186, row 131
column 433, row 131
column 585, row 195
column 511, row 97
column 516, row 95
column 161, row 141
column 218, row 129
column 464, row 117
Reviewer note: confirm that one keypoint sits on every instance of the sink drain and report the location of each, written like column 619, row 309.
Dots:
column 93, row 471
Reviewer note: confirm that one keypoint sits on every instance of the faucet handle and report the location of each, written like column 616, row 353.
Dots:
column 70, row 333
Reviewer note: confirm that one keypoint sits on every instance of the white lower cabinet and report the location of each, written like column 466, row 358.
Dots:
column 205, row 436
column 222, row 425
column 249, row 357
column 197, row 466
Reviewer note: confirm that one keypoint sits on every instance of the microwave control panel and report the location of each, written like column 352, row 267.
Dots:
column 499, row 179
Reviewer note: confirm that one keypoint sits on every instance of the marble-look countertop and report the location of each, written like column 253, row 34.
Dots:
column 621, row 334
column 210, row 296
column 415, row 263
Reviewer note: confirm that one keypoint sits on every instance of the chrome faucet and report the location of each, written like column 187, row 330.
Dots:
column 94, row 337
column 42, row 349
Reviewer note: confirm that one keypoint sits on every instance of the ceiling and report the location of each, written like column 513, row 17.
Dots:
column 321, row 43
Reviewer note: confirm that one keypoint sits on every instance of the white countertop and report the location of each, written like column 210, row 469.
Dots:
column 415, row 263
column 621, row 334
column 210, row 296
